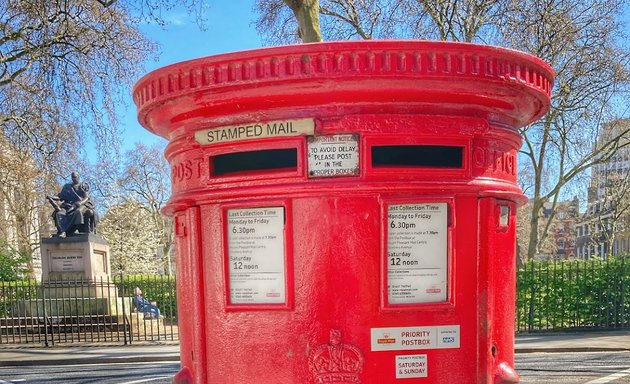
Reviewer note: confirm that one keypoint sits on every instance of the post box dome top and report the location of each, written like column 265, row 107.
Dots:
column 507, row 87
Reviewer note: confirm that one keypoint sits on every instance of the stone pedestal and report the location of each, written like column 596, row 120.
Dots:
column 81, row 257
column 77, row 293
column 77, row 267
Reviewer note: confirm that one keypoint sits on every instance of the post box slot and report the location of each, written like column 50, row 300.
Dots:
column 264, row 160
column 431, row 156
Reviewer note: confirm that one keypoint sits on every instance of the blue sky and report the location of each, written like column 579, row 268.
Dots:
column 230, row 27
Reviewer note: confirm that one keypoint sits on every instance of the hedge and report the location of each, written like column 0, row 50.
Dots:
column 571, row 294
column 161, row 289
column 551, row 295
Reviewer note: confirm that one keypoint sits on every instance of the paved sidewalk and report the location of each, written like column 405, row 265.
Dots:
column 573, row 342
column 66, row 355
column 59, row 355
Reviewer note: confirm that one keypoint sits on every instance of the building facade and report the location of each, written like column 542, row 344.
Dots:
column 20, row 221
column 560, row 242
column 604, row 229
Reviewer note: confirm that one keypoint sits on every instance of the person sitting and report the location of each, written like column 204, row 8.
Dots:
column 142, row 305
column 74, row 211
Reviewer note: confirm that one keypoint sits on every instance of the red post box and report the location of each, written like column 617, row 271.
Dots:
column 345, row 212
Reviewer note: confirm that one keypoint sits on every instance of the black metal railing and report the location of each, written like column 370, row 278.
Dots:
column 573, row 295
column 551, row 296
column 87, row 311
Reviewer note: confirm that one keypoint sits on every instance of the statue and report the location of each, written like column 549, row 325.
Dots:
column 74, row 211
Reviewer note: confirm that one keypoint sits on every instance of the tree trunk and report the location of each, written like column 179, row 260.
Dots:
column 307, row 14
column 167, row 249
column 532, row 248
column 610, row 240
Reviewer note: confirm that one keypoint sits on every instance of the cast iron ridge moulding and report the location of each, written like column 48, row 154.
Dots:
column 427, row 63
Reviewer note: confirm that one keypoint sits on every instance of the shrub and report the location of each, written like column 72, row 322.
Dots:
column 560, row 295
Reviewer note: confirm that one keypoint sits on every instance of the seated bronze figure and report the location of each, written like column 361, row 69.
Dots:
column 74, row 210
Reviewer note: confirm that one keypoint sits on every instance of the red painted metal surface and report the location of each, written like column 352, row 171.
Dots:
column 434, row 127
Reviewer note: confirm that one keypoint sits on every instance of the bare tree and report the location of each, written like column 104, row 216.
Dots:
column 582, row 40
column 340, row 19
column 307, row 15
column 62, row 65
column 155, row 10
column 376, row 19
column 133, row 238
column 458, row 20
column 140, row 177
column 146, row 177
column 579, row 39
column 65, row 66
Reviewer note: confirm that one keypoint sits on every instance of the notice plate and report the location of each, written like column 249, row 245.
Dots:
column 331, row 156
column 256, row 255
column 411, row 338
column 410, row 366
column 417, row 253
column 255, row 130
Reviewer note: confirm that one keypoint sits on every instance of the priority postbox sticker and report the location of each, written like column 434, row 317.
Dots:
column 333, row 155
column 412, row 338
